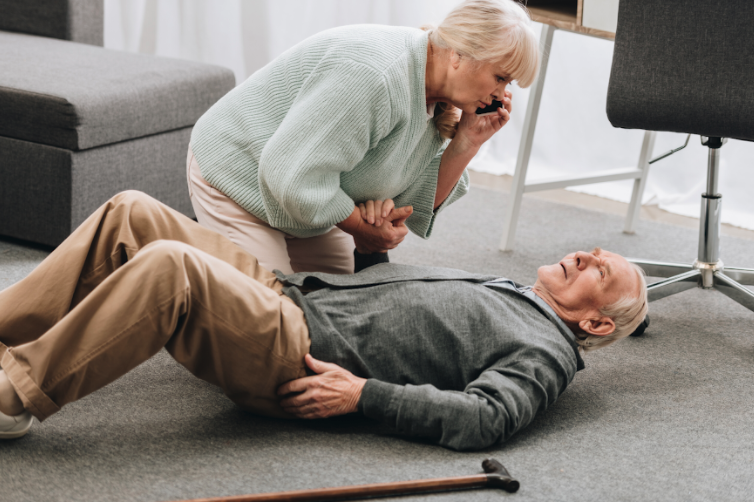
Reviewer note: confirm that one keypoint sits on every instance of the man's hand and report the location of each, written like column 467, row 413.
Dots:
column 373, row 239
column 334, row 391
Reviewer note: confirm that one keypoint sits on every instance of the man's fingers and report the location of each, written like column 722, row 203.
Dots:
column 363, row 211
column 298, row 385
column 400, row 213
column 319, row 366
column 308, row 412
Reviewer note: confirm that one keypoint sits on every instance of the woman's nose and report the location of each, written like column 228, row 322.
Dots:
column 499, row 92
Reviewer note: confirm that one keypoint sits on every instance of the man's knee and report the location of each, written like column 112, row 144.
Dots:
column 166, row 250
column 130, row 198
column 167, row 256
column 137, row 208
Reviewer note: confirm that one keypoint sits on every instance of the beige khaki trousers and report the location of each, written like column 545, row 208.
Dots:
column 331, row 252
column 135, row 277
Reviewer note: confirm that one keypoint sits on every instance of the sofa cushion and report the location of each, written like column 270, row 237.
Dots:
column 78, row 96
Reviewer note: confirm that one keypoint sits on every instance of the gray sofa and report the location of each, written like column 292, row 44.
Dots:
column 80, row 123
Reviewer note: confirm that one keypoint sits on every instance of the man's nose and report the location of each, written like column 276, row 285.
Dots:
column 583, row 259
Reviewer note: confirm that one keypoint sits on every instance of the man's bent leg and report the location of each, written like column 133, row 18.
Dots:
column 105, row 241
column 225, row 327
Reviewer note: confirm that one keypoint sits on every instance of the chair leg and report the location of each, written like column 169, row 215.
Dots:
column 661, row 269
column 741, row 275
column 734, row 290
column 634, row 207
column 673, row 285
column 524, row 148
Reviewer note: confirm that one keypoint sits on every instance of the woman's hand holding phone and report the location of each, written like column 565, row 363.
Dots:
column 474, row 129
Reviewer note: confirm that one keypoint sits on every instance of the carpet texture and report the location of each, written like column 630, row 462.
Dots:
column 666, row 416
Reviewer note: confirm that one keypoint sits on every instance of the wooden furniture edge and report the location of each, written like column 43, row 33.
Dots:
column 573, row 27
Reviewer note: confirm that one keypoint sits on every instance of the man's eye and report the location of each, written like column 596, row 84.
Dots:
column 602, row 273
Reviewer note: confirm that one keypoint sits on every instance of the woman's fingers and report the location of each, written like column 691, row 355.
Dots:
column 370, row 211
column 377, row 213
column 502, row 118
column 387, row 207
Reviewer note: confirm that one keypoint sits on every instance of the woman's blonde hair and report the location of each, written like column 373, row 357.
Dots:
column 627, row 313
column 487, row 31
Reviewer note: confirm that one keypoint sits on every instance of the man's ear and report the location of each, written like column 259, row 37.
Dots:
column 602, row 326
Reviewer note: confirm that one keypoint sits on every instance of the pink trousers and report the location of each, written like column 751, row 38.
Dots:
column 331, row 252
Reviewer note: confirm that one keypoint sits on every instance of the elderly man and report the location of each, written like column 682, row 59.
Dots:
column 466, row 360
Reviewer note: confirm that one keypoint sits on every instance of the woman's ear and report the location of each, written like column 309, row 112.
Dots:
column 602, row 326
column 455, row 59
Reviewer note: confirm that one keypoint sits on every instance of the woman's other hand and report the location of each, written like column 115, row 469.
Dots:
column 475, row 130
column 374, row 212
column 373, row 239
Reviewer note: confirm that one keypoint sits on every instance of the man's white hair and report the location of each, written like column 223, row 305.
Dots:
column 627, row 313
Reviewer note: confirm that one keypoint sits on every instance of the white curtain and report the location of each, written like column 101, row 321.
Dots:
column 573, row 134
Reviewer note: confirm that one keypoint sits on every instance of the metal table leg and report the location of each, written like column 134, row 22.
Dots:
column 524, row 149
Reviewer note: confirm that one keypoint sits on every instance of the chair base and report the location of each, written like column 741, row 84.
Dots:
column 703, row 275
column 707, row 271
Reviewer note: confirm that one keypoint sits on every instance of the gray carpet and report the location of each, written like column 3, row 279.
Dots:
column 667, row 416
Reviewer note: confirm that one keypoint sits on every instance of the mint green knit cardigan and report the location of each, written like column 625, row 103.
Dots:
column 339, row 119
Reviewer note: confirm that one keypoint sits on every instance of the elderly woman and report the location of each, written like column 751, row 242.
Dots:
column 354, row 116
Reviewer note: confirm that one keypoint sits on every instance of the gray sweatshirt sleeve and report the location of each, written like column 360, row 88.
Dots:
column 502, row 401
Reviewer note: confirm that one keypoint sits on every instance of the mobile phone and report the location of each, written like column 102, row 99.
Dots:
column 488, row 110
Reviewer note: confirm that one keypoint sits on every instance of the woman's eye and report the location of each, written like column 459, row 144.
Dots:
column 602, row 273
column 501, row 79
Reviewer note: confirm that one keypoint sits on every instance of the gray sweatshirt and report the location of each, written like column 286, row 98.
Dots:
column 448, row 355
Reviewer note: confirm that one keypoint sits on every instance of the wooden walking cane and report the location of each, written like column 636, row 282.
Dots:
column 496, row 476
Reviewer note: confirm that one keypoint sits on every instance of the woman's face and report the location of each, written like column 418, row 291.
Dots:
column 473, row 85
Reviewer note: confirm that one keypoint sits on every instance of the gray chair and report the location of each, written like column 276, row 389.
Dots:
column 80, row 123
column 688, row 66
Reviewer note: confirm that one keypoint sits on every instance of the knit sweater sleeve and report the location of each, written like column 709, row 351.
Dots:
column 421, row 195
column 339, row 114
column 502, row 401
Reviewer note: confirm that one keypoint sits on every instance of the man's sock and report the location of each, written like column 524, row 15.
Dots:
column 362, row 261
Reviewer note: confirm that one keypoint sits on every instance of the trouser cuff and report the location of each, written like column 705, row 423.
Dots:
column 35, row 401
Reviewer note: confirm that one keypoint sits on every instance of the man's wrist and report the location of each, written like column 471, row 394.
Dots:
column 358, row 387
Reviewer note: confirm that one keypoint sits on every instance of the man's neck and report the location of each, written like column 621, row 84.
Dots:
column 557, row 308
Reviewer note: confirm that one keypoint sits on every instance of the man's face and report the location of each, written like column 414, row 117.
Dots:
column 582, row 283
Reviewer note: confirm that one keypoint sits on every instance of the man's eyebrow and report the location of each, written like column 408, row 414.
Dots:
column 596, row 252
